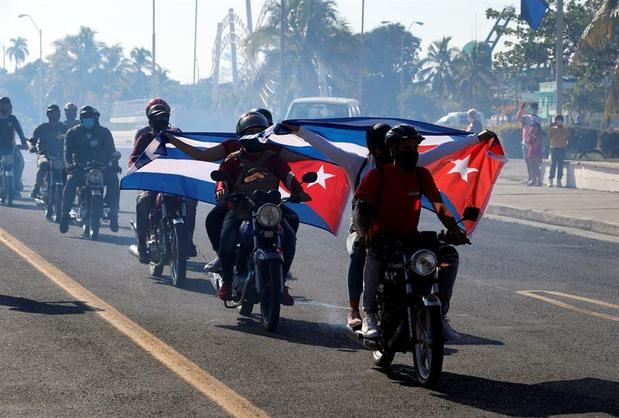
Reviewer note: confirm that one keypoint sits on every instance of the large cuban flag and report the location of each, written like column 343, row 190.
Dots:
column 465, row 171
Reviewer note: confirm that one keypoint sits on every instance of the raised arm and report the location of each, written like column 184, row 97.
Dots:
column 453, row 146
column 216, row 153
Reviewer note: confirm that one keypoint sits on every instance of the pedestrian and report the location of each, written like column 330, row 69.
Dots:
column 474, row 123
column 527, row 122
column 534, row 155
column 559, row 138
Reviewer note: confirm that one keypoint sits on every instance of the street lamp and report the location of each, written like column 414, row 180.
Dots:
column 3, row 56
column 40, row 35
column 389, row 22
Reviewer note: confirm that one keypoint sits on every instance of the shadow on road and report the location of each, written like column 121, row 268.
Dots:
column 563, row 397
column 297, row 331
column 26, row 206
column 116, row 239
column 467, row 339
column 69, row 307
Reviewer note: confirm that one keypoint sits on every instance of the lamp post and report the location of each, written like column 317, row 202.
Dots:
column 401, row 99
column 3, row 56
column 40, row 98
column 195, row 42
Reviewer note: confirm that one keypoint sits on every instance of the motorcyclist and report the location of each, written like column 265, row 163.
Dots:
column 357, row 167
column 86, row 142
column 254, row 167
column 158, row 114
column 215, row 218
column 264, row 112
column 388, row 206
column 47, row 140
column 70, row 114
column 9, row 126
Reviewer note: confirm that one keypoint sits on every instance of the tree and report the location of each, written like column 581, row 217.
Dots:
column 473, row 78
column 18, row 51
column 437, row 67
column 141, row 59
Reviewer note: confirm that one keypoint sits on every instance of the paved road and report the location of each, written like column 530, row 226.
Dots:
column 520, row 356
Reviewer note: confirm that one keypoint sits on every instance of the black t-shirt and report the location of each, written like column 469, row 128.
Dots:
column 8, row 127
column 85, row 145
column 49, row 137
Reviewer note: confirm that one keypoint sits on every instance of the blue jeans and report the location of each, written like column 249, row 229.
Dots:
column 557, row 158
column 355, row 274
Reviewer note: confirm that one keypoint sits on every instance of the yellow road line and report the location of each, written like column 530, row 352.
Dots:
column 230, row 401
column 533, row 294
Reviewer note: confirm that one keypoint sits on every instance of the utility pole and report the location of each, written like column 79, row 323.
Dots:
column 153, row 53
column 559, row 57
column 233, row 40
column 250, row 24
column 362, row 63
column 282, row 47
column 195, row 42
column 3, row 56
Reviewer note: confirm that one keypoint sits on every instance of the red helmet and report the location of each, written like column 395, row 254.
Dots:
column 70, row 106
column 157, row 101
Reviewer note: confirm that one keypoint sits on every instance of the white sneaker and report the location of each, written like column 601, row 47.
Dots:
column 449, row 334
column 213, row 267
column 369, row 328
column 550, row 183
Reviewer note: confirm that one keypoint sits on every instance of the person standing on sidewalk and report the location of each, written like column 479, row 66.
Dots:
column 559, row 138
column 534, row 155
column 527, row 122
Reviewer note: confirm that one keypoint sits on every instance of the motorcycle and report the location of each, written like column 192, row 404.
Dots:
column 258, row 272
column 89, row 208
column 408, row 310
column 168, row 240
column 50, row 193
column 7, row 180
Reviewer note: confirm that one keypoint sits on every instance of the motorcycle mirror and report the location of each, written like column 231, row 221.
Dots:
column 116, row 155
column 218, row 175
column 310, row 177
column 471, row 213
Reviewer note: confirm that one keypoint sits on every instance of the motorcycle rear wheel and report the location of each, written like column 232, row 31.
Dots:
column 428, row 346
column 155, row 269
column 270, row 297
column 178, row 256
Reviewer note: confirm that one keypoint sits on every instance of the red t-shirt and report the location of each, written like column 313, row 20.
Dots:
column 400, row 200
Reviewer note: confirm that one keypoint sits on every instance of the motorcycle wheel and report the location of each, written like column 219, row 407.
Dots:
column 94, row 218
column 383, row 357
column 178, row 255
column 57, row 204
column 428, row 345
column 246, row 308
column 9, row 190
column 270, row 297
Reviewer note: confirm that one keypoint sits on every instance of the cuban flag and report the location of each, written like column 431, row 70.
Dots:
column 465, row 171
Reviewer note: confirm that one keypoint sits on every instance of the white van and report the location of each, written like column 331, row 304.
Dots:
column 323, row 107
column 457, row 120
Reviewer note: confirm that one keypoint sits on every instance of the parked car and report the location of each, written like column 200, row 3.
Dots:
column 323, row 107
column 458, row 120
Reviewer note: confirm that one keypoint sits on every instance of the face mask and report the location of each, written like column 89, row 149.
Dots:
column 407, row 159
column 252, row 145
column 88, row 123
column 160, row 125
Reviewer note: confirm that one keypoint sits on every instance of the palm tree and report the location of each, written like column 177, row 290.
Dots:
column 437, row 68
column 603, row 30
column 319, row 46
column 473, row 77
column 141, row 59
column 18, row 51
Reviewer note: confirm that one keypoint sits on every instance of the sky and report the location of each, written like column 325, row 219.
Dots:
column 129, row 23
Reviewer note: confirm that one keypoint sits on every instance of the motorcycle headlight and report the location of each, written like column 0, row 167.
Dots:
column 94, row 177
column 424, row 262
column 269, row 215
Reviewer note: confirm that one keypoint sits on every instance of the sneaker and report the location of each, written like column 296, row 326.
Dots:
column 48, row 214
column 369, row 328
column 550, row 183
column 225, row 291
column 64, row 224
column 353, row 319
column 449, row 334
column 143, row 254
column 114, row 224
column 287, row 299
column 559, row 184
column 193, row 251
column 34, row 193
column 213, row 267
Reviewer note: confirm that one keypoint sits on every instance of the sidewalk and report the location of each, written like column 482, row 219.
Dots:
column 588, row 210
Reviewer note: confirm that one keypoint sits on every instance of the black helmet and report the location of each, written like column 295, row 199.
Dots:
column 5, row 100
column 402, row 132
column 264, row 112
column 53, row 108
column 375, row 136
column 251, row 120
column 5, row 104
column 158, row 111
column 86, row 111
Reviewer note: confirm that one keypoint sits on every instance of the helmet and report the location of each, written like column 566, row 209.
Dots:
column 375, row 136
column 158, row 111
column 401, row 132
column 472, row 113
column 5, row 100
column 5, row 104
column 70, row 106
column 251, row 120
column 264, row 112
column 86, row 111
column 157, row 101
column 53, row 108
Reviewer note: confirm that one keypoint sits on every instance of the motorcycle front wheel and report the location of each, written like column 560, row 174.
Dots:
column 9, row 190
column 178, row 254
column 57, row 203
column 94, row 218
column 270, row 296
column 428, row 345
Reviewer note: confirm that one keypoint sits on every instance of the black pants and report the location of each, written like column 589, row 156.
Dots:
column 557, row 158
column 143, row 205
column 230, row 236
column 76, row 179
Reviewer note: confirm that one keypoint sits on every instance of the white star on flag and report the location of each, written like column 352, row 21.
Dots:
column 462, row 167
column 322, row 178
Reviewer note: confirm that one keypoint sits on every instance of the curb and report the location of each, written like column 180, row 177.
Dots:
column 584, row 224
